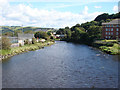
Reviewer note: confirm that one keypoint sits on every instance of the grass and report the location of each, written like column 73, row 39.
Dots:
column 25, row 48
column 108, row 46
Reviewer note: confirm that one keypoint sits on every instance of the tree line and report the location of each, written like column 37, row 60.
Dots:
column 87, row 32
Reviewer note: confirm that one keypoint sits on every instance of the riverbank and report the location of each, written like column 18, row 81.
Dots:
column 17, row 50
column 109, row 46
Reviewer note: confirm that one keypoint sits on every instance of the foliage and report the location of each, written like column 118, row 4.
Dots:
column 41, row 34
column 49, row 33
column 8, row 34
column 52, row 37
column 33, row 41
column 106, row 16
column 5, row 43
column 27, row 42
column 61, row 31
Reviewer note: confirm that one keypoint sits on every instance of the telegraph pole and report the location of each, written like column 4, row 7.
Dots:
column 22, row 29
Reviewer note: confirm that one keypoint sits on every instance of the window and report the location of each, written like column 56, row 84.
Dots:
column 111, row 29
column 111, row 25
column 117, row 25
column 117, row 29
column 106, row 33
column 116, row 33
column 106, row 36
column 106, row 29
column 111, row 33
column 109, row 36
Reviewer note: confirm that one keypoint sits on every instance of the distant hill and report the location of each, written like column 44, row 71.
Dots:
column 19, row 28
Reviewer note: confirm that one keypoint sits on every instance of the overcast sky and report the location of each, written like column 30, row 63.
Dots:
column 53, row 13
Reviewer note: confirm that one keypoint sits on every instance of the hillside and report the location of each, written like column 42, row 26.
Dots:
column 9, row 30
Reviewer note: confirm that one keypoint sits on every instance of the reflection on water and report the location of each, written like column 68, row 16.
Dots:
column 62, row 65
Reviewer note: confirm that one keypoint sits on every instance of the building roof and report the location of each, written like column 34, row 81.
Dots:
column 25, row 36
column 115, row 21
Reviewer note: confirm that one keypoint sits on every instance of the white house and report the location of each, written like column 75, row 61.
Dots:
column 22, row 37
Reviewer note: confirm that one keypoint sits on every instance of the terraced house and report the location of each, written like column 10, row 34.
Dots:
column 111, row 30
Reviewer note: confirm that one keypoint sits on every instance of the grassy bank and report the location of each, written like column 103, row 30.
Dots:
column 25, row 48
column 109, row 46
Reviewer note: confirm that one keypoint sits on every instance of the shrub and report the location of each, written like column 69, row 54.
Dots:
column 20, row 45
column 33, row 40
column 27, row 42
column 52, row 37
column 6, row 44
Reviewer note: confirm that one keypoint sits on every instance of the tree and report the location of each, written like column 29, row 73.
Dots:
column 8, row 34
column 49, row 33
column 76, row 34
column 103, row 16
column 41, row 34
column 61, row 31
column 67, row 27
column 94, row 31
column 6, row 44
column 68, row 34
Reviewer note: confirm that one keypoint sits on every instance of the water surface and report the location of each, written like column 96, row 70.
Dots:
column 62, row 65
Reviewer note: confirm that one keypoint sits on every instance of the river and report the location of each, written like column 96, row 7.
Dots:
column 62, row 65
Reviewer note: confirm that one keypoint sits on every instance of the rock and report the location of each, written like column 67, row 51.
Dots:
column 97, row 54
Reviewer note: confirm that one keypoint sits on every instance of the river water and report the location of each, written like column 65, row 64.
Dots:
column 62, row 65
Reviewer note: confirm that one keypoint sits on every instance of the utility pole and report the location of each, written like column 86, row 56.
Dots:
column 22, row 29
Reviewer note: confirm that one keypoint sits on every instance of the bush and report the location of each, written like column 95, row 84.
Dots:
column 33, row 40
column 6, row 44
column 20, row 45
column 41, row 34
column 27, row 42
column 52, row 37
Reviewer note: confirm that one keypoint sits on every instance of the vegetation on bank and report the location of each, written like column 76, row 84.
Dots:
column 36, row 43
column 28, row 47
column 89, row 32
column 108, row 46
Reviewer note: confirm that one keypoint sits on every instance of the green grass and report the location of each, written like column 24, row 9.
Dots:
column 115, row 49
column 108, row 46
column 109, row 40
column 25, row 48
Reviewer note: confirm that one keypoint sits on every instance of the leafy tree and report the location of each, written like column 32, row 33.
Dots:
column 41, row 34
column 68, row 34
column 61, row 31
column 103, row 16
column 6, row 44
column 8, row 34
column 67, row 27
column 49, row 33
column 94, row 31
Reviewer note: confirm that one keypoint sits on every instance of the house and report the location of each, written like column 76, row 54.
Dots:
column 60, row 36
column 22, row 37
column 13, row 41
column 111, row 30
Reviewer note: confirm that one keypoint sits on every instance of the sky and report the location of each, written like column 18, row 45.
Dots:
column 53, row 13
